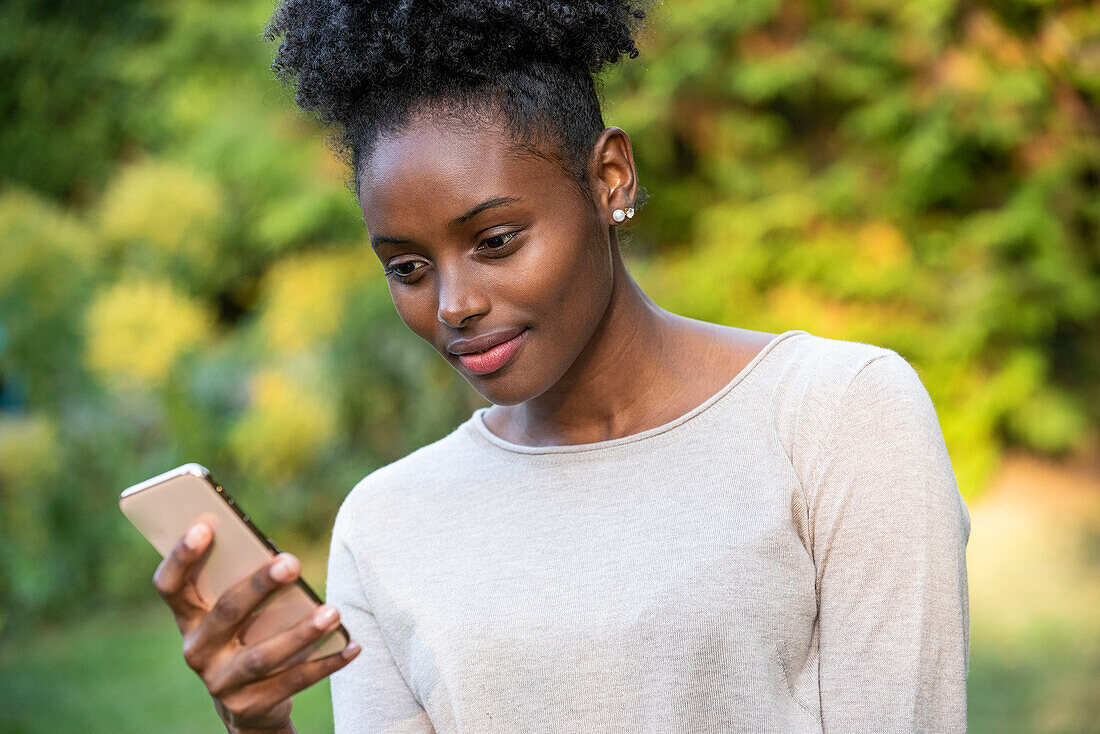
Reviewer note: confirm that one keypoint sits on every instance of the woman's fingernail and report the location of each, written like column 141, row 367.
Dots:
column 351, row 650
column 284, row 569
column 196, row 537
column 324, row 616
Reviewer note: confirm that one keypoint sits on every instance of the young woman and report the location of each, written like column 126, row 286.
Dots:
column 660, row 524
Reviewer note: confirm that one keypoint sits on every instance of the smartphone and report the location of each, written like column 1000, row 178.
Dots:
column 164, row 507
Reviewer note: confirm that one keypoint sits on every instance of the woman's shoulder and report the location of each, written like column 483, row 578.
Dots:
column 796, row 354
column 418, row 473
column 823, row 369
column 826, row 385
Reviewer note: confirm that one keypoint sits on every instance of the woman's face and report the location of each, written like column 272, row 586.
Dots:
column 495, row 259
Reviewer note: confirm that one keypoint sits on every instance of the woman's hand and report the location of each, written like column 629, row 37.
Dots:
column 251, row 684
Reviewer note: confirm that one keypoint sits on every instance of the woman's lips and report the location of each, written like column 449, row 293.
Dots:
column 492, row 359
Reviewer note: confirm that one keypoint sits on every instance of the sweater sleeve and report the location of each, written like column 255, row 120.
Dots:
column 889, row 534
column 369, row 694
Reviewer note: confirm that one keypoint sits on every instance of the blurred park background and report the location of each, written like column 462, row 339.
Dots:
column 184, row 276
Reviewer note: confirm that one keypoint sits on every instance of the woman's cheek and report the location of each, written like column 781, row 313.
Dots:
column 414, row 311
column 581, row 281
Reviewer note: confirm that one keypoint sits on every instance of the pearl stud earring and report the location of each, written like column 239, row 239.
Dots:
column 620, row 215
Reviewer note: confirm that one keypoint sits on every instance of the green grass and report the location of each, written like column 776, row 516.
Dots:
column 117, row 674
column 1034, row 568
column 1046, row 683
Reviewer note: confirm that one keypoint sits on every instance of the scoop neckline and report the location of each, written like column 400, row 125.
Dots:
column 480, row 428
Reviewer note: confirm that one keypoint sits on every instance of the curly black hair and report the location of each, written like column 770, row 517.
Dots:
column 362, row 68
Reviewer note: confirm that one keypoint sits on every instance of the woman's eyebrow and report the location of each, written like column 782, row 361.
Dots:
column 487, row 204
column 496, row 201
column 382, row 239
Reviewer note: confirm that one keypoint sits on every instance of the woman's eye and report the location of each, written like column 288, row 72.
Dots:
column 405, row 269
column 498, row 241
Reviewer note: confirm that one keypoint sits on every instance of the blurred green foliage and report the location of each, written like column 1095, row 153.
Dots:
column 184, row 275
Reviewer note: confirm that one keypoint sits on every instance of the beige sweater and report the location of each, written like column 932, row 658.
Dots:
column 789, row 556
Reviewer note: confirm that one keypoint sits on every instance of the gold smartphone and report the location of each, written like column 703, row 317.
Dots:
column 165, row 506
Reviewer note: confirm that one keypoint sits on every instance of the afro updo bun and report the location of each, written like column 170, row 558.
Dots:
column 362, row 68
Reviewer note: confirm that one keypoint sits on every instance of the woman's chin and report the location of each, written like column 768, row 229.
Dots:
column 501, row 392
column 510, row 385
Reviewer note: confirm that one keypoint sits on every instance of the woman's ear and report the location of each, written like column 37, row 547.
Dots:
column 614, row 178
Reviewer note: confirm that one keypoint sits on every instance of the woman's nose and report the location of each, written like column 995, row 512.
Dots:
column 460, row 300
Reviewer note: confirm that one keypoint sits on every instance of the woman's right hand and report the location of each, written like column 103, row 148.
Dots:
column 250, row 690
